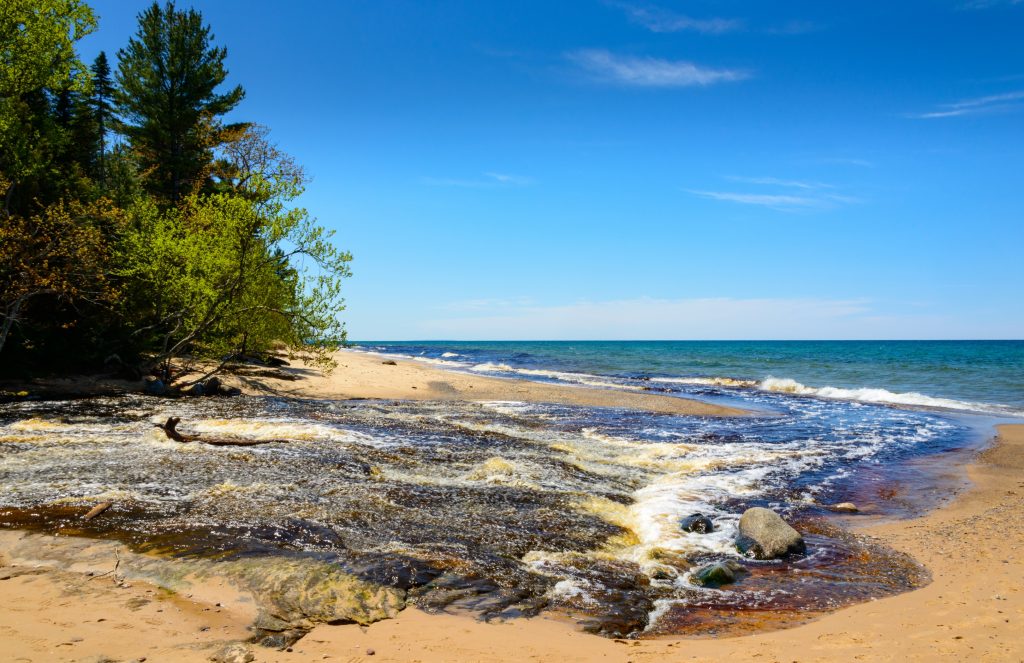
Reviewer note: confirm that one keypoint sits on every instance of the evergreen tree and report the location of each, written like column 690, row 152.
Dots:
column 167, row 80
column 103, row 111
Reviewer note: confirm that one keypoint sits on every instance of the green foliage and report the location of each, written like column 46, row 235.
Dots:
column 37, row 39
column 37, row 44
column 181, row 241
column 167, row 77
column 215, row 276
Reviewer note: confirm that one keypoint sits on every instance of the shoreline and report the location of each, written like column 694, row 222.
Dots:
column 976, row 586
column 365, row 375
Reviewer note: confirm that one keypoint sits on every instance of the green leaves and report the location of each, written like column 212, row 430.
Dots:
column 37, row 44
column 217, row 275
column 37, row 51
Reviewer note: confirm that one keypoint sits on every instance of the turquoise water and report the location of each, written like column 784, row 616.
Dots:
column 985, row 376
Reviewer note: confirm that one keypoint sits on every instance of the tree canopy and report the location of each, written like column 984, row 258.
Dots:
column 137, row 223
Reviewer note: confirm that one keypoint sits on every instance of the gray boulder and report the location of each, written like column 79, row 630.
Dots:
column 845, row 507
column 765, row 535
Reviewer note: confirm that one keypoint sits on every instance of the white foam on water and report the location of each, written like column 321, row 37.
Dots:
column 711, row 382
column 877, row 395
column 585, row 379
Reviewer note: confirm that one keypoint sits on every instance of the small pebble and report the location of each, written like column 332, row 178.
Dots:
column 370, row 652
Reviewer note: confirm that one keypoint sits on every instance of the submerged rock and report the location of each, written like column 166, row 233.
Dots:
column 765, row 535
column 299, row 594
column 697, row 522
column 235, row 652
column 845, row 507
column 717, row 574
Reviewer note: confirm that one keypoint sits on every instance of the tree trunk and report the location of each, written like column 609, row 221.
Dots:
column 9, row 318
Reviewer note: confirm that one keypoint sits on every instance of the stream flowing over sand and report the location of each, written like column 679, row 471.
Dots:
column 500, row 508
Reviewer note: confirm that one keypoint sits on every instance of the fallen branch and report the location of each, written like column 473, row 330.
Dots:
column 117, row 564
column 170, row 429
column 97, row 510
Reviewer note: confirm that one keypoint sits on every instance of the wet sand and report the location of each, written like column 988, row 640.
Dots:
column 365, row 375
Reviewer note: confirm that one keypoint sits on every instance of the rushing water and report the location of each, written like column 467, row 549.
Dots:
column 503, row 508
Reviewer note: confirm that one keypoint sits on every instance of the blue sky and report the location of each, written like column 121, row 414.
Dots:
column 518, row 170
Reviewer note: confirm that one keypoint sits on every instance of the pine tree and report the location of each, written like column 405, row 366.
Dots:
column 167, row 79
column 103, row 110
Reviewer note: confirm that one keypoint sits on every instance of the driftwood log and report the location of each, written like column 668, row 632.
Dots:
column 170, row 429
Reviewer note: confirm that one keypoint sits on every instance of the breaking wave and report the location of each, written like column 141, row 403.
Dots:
column 877, row 395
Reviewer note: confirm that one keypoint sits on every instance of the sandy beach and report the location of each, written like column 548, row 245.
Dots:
column 62, row 599
column 369, row 375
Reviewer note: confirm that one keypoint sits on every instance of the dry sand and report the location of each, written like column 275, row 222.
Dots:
column 973, row 609
column 365, row 375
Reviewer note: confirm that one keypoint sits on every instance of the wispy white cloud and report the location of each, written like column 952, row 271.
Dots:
column 505, row 178
column 811, row 195
column 775, row 201
column 660, row 20
column 657, row 19
column 976, row 106
column 775, row 181
column 986, row 4
column 486, row 180
column 650, row 72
